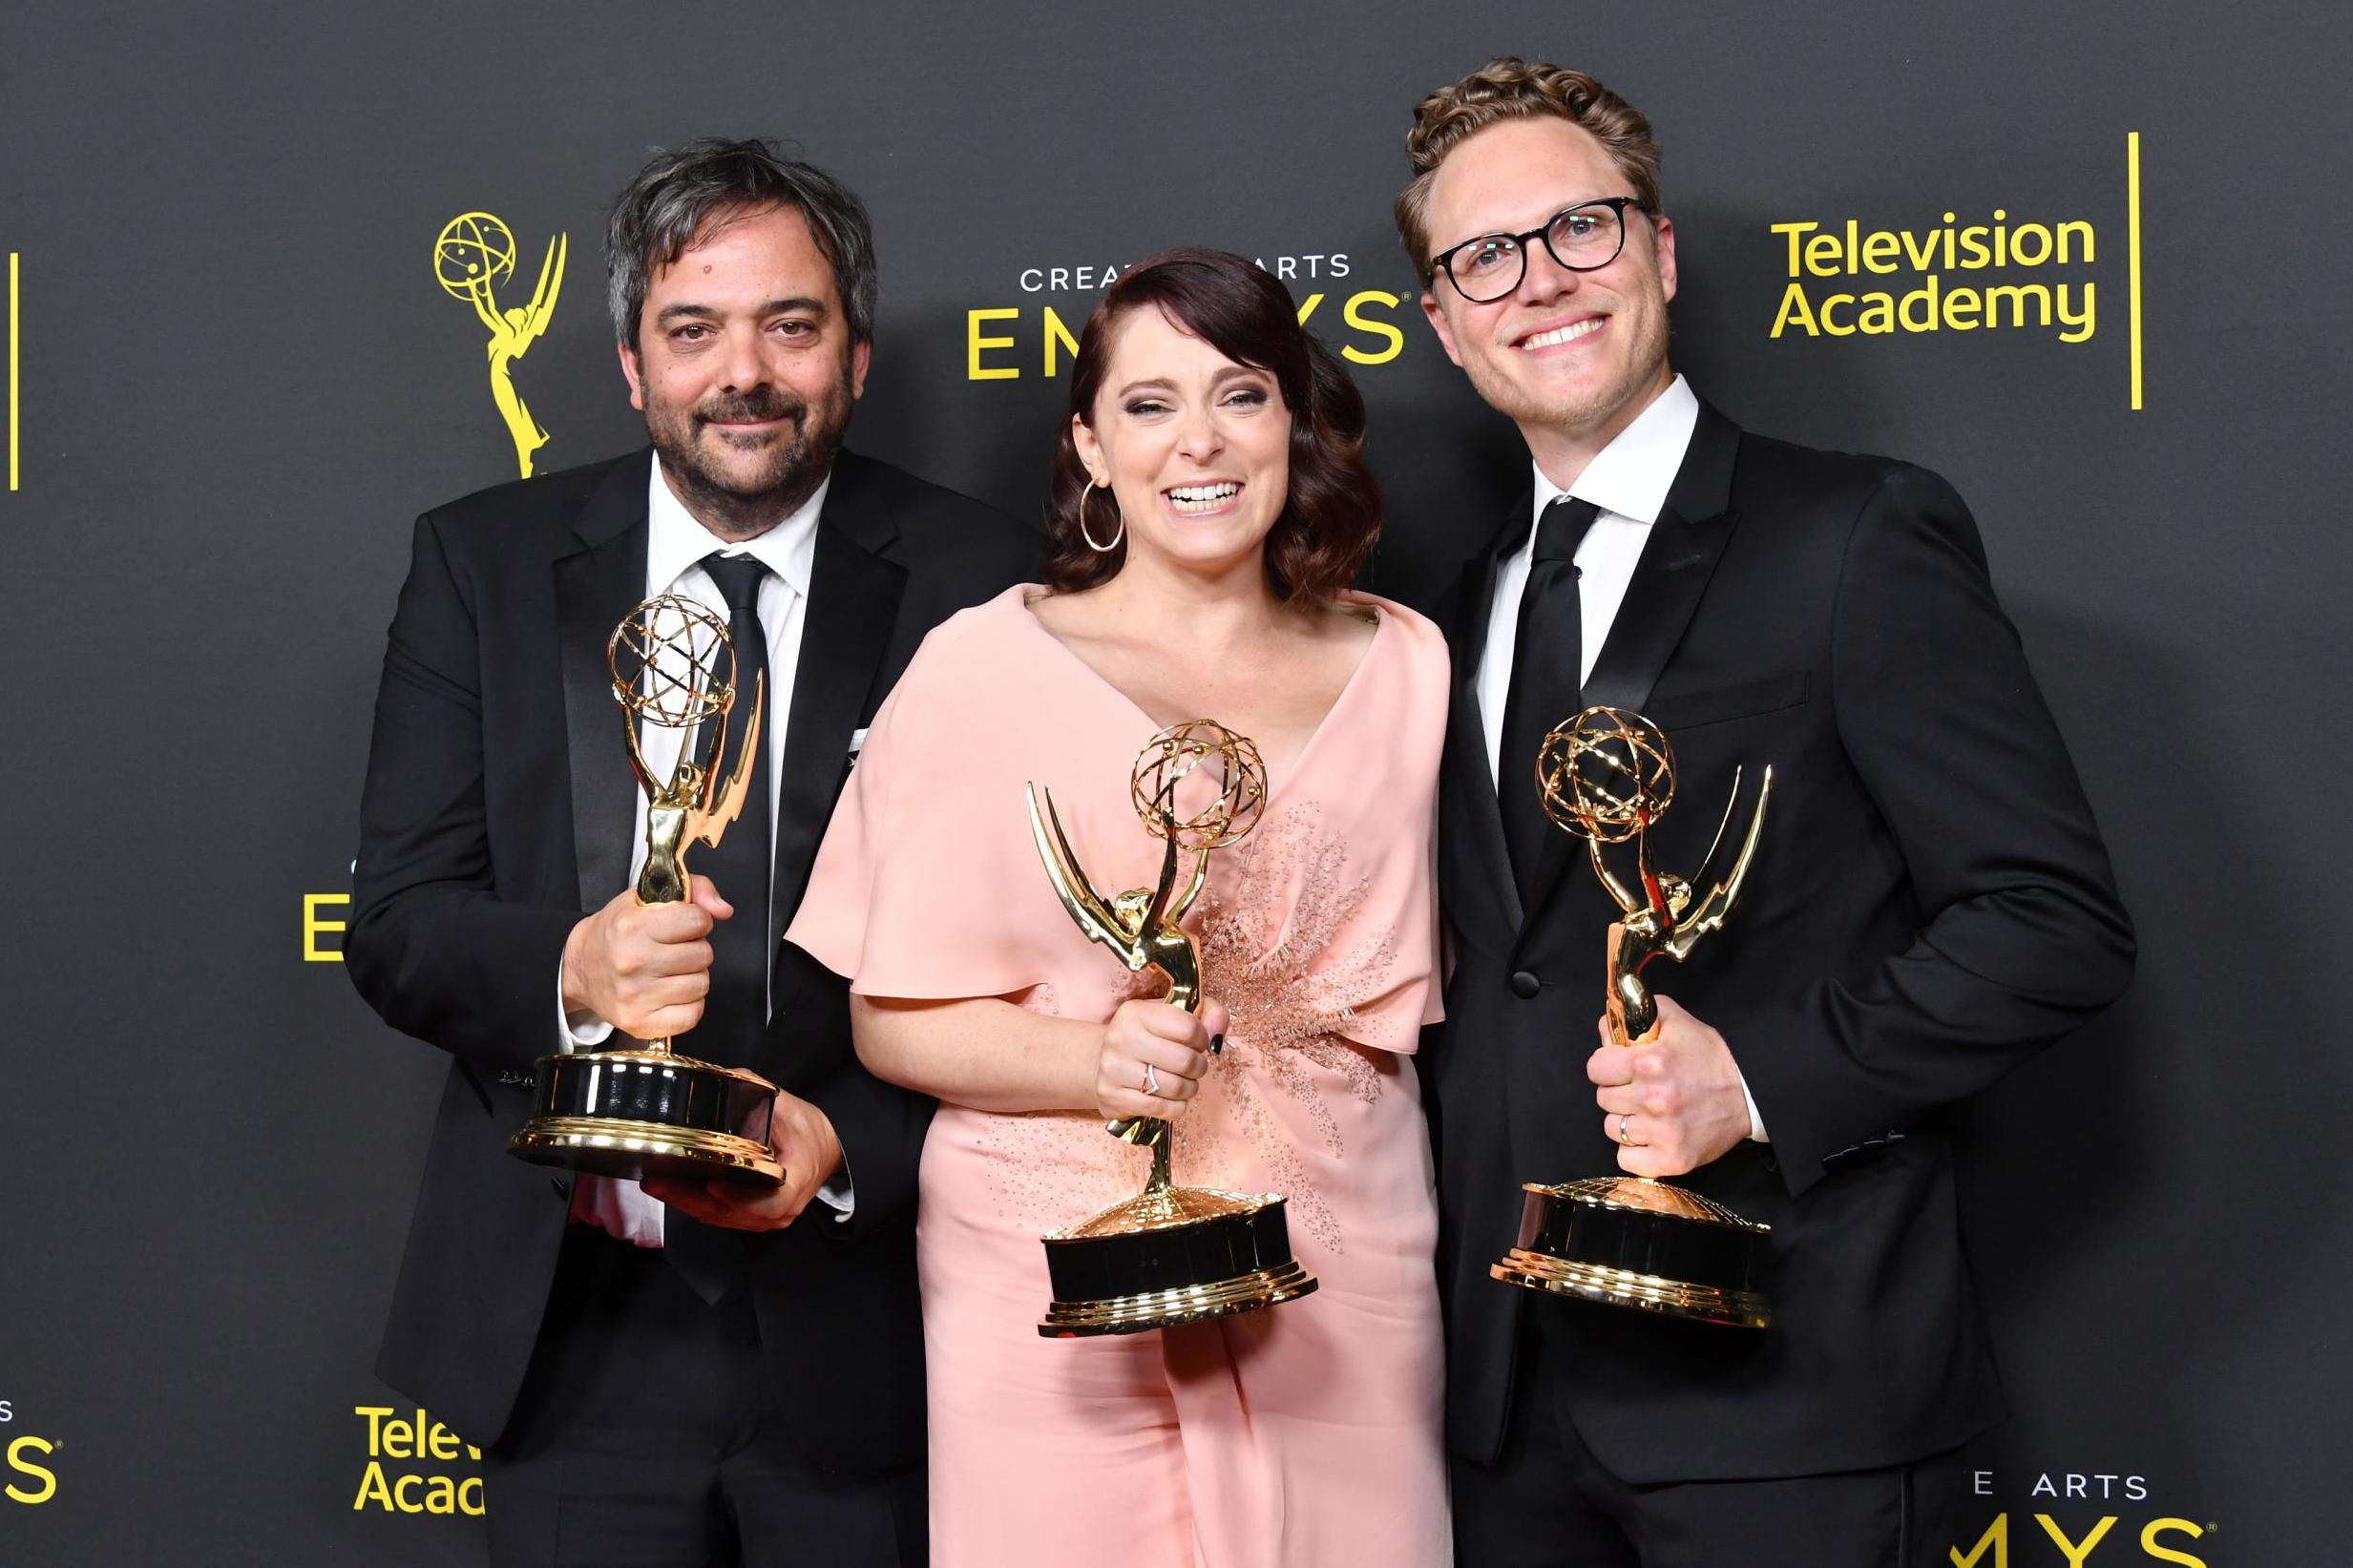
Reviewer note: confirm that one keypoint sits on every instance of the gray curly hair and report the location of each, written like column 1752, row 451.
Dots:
column 683, row 189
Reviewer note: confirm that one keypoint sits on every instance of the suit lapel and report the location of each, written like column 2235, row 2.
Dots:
column 853, row 596
column 1669, row 581
column 595, row 587
column 1475, row 869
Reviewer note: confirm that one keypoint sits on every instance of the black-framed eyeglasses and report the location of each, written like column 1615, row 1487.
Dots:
column 1583, row 238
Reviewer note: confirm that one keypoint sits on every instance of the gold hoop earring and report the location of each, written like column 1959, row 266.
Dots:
column 1087, row 534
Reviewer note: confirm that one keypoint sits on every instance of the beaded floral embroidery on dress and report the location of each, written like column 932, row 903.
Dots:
column 1274, row 905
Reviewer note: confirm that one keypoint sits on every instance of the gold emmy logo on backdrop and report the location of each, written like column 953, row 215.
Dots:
column 473, row 255
column 1170, row 1254
column 1608, row 776
column 644, row 1109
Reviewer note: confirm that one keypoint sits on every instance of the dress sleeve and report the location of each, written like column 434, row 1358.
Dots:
column 1401, row 887
column 1363, row 881
column 926, row 886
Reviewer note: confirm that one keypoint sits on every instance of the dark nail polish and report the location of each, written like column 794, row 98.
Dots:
column 1217, row 1043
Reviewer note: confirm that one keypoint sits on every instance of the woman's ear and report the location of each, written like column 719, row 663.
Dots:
column 1090, row 452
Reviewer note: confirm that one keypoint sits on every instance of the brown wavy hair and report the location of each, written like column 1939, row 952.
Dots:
column 1510, row 88
column 1332, row 515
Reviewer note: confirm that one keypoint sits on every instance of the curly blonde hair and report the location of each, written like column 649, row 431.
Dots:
column 1510, row 88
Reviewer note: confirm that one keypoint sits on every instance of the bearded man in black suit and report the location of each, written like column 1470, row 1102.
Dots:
column 682, row 1373
column 1930, row 901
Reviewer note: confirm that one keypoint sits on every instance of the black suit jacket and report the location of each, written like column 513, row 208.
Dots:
column 1930, row 904
column 498, row 810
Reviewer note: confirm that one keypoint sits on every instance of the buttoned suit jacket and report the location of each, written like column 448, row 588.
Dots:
column 499, row 808
column 1931, row 903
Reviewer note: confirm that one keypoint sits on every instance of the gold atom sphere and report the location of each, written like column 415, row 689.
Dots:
column 1215, row 761
column 474, row 251
column 1606, row 774
column 673, row 662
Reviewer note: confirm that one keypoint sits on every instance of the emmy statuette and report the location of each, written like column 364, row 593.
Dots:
column 1607, row 776
column 1170, row 1254
column 645, row 1110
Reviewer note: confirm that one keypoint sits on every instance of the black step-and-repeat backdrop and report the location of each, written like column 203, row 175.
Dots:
column 282, row 276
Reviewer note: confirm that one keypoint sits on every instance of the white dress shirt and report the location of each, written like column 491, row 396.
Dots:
column 675, row 546
column 1627, row 481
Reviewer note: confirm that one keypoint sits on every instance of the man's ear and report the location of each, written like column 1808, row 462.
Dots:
column 633, row 374
column 1435, row 314
column 1663, row 243
column 861, row 354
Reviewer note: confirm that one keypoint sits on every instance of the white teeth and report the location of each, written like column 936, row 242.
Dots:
column 1566, row 334
column 1203, row 497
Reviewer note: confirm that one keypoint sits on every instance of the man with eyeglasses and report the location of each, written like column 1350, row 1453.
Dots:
column 1930, row 902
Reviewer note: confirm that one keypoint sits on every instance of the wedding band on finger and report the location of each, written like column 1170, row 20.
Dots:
column 1624, row 1118
column 1151, row 1080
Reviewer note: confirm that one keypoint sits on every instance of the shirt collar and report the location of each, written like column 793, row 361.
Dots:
column 675, row 543
column 1630, row 476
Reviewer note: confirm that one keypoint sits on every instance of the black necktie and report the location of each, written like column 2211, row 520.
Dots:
column 735, row 1014
column 1547, row 657
column 740, row 864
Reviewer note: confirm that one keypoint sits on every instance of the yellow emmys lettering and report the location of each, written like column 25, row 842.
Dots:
column 473, row 254
column 975, row 342
column 1353, row 314
column 1996, row 1539
column 2075, row 1551
column 1993, row 1549
column 2165, row 1554
column 1058, row 335
column 45, row 1480
column 1373, row 339
column 314, row 927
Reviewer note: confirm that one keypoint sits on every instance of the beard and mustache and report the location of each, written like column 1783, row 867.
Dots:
column 737, row 501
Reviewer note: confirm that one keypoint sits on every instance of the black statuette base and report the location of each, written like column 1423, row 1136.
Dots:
column 649, row 1113
column 1574, row 1243
column 1127, row 1283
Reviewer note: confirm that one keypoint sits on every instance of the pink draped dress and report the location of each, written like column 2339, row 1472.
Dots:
column 1303, row 1434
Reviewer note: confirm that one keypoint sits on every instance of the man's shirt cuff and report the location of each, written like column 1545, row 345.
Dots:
column 1756, row 1122
column 839, row 1195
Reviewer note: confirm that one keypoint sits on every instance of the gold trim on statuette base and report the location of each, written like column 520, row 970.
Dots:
column 1167, row 1309
column 634, row 1146
column 1166, row 1209
column 1623, row 1288
column 1645, row 1195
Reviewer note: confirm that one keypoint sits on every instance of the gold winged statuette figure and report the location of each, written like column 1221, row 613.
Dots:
column 673, row 667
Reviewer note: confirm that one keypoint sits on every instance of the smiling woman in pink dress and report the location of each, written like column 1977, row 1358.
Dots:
column 1209, row 507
